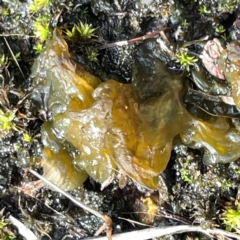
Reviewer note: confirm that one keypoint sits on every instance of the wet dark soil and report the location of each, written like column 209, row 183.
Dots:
column 190, row 191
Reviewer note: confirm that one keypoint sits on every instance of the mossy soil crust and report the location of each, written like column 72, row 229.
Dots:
column 131, row 106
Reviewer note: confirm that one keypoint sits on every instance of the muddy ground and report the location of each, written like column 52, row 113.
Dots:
column 191, row 191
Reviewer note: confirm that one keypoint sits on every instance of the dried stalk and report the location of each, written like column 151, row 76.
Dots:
column 134, row 40
column 150, row 233
column 22, row 229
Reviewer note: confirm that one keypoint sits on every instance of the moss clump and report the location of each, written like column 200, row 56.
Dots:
column 185, row 60
column 231, row 219
column 38, row 4
column 82, row 31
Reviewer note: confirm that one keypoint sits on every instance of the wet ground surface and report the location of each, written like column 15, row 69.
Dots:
column 196, row 187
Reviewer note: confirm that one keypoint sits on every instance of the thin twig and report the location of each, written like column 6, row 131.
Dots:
column 14, row 58
column 159, row 232
column 170, row 215
column 214, row 98
column 187, row 44
column 135, row 222
column 134, row 40
column 15, row 35
column 22, row 229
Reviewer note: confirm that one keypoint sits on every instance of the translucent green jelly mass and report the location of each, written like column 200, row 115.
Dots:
column 100, row 128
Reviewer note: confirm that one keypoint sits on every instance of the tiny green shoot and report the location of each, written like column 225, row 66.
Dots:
column 6, row 121
column 226, row 184
column 27, row 138
column 41, row 28
column 220, row 7
column 203, row 10
column 38, row 48
column 185, row 23
column 84, row 12
column 38, row 4
column 85, row 30
column 72, row 33
column 231, row 219
column 220, row 29
column 230, row 5
column 4, row 234
column 5, row 12
column 17, row 17
column 16, row 57
column 186, row 175
column 224, row 37
column 3, row 60
column 185, row 60
column 2, row 223
column 92, row 55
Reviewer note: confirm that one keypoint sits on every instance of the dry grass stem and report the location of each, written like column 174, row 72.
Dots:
column 22, row 229
column 150, row 233
column 14, row 58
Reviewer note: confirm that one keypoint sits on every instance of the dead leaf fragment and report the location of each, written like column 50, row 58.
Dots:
column 211, row 53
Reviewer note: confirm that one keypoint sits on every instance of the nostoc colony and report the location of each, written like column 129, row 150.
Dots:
column 96, row 129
